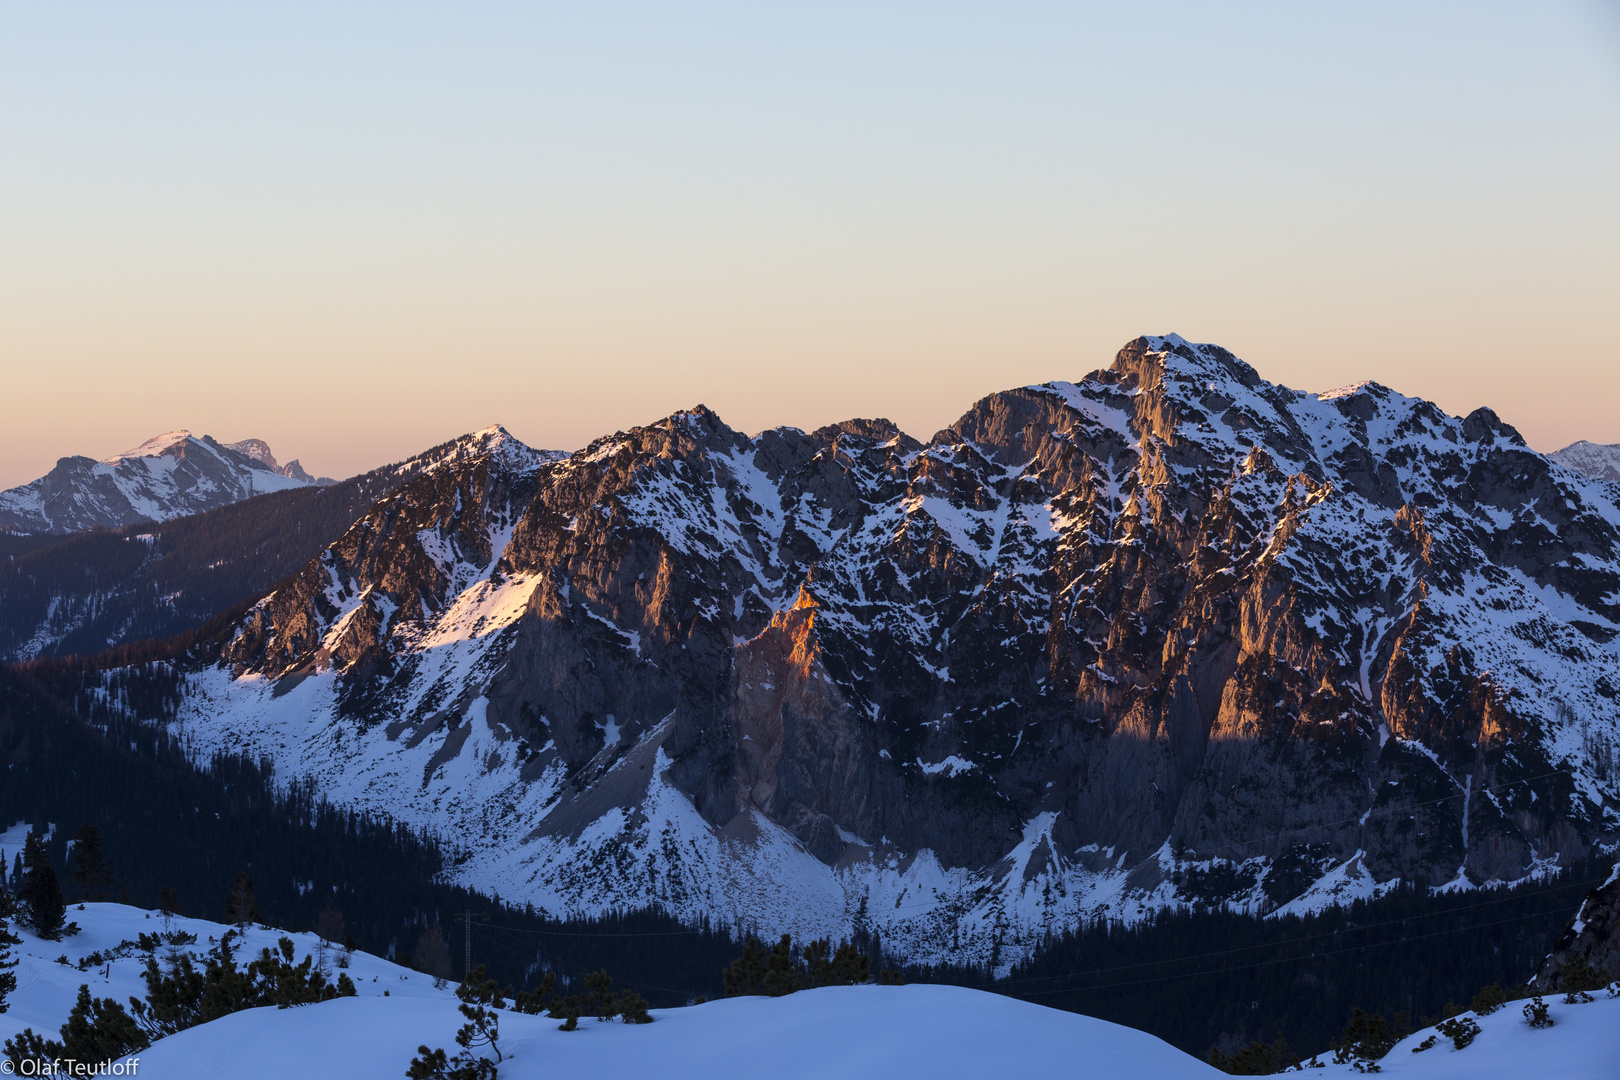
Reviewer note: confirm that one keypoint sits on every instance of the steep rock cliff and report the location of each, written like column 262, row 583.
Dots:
column 1167, row 634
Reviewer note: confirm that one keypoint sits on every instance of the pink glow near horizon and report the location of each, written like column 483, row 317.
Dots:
column 356, row 235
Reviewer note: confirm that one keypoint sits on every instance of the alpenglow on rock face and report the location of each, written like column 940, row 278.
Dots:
column 169, row 476
column 1167, row 634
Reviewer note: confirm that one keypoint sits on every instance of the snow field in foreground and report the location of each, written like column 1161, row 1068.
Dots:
column 844, row 1032
column 46, row 989
column 838, row 1032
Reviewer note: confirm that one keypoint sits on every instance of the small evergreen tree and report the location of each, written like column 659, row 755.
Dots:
column 8, row 940
column 1579, row 976
column 1489, row 999
column 97, row 1030
column 480, row 998
column 41, row 893
column 782, row 972
column 1461, row 1030
column 632, row 1007
column 1256, row 1059
column 169, row 901
column 242, row 907
column 782, row 976
column 598, row 999
column 536, row 1001
column 746, row 975
column 185, row 996
column 89, row 864
column 1367, row 1038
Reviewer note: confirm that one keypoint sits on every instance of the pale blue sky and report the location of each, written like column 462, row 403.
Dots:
column 357, row 230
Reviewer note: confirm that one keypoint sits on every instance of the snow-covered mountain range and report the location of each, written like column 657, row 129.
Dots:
column 169, row 476
column 81, row 593
column 1597, row 460
column 1168, row 634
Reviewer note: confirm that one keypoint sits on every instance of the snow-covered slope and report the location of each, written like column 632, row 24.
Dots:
column 1597, row 460
column 1168, row 634
column 169, row 476
column 1582, row 1044
column 82, row 593
column 846, row 1032
column 849, row 1033
column 46, row 988
column 836, row 1033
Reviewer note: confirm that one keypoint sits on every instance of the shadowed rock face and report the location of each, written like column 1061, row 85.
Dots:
column 1592, row 937
column 1171, row 608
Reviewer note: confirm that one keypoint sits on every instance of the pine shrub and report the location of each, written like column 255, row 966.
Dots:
column 1535, row 1013
column 1256, row 1059
column 1489, row 999
column 1461, row 1030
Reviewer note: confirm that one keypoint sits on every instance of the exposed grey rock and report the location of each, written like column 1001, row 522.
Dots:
column 1599, row 461
column 1592, row 936
column 1171, row 615
column 170, row 476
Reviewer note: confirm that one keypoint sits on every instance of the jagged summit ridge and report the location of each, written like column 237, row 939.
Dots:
column 170, row 475
column 1170, row 633
column 1599, row 461
column 259, row 450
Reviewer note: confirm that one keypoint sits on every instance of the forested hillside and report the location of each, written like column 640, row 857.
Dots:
column 81, row 593
column 169, row 824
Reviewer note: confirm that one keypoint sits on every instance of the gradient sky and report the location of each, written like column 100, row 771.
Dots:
column 357, row 233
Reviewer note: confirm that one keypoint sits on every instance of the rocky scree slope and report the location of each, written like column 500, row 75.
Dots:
column 168, row 476
column 1168, row 634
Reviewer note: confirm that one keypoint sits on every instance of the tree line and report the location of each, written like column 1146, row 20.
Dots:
column 1199, row 977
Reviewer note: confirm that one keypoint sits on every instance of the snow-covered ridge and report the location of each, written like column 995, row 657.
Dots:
column 936, row 1031
column 46, row 988
column 943, row 1032
column 157, row 446
column 1095, row 644
column 1601, row 462
column 170, row 475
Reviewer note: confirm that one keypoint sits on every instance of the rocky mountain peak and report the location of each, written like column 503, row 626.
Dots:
column 1591, row 459
column 1170, row 634
column 170, row 475
column 258, row 450
column 170, row 444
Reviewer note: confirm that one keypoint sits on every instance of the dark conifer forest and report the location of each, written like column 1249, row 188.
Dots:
column 1202, row 977
column 166, row 823
column 1194, row 977
column 164, row 578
